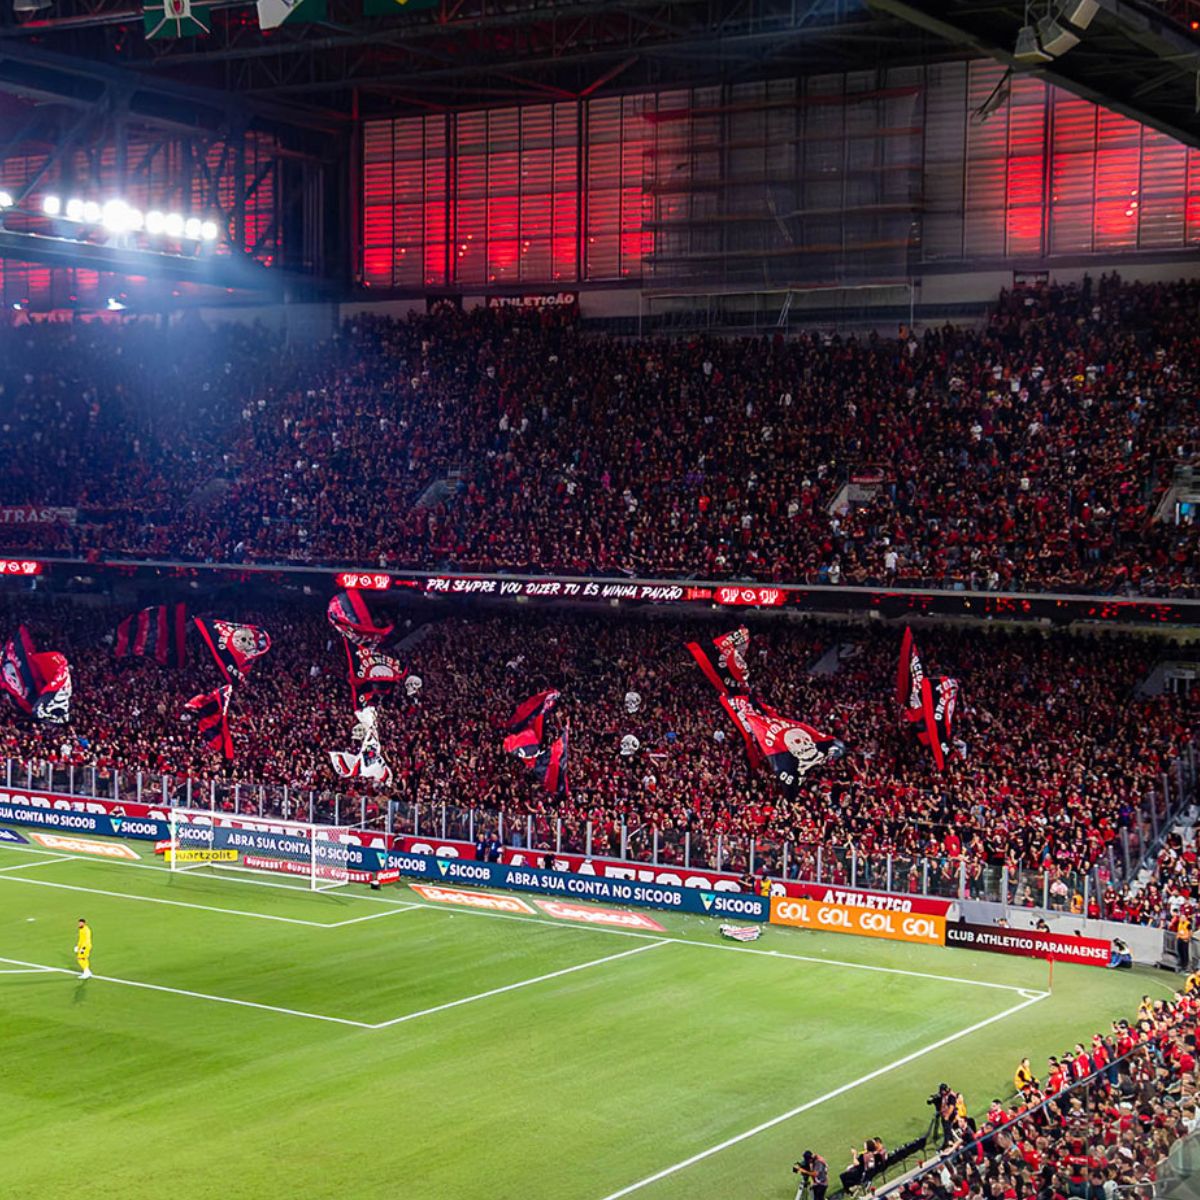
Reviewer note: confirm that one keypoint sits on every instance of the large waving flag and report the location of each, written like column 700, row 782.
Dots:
column 211, row 711
column 791, row 749
column 373, row 676
column 37, row 684
column 550, row 766
column 723, row 660
column 235, row 647
column 349, row 615
column 926, row 701
column 531, row 713
column 159, row 633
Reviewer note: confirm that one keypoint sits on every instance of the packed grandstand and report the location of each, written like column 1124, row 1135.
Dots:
column 1028, row 454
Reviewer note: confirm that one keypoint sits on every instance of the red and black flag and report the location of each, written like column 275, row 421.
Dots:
column 939, row 700
column 928, row 702
column 349, row 615
column 531, row 713
column 791, row 749
column 524, row 745
column 741, row 709
column 723, row 660
column 39, row 685
column 211, row 711
column 373, row 676
column 159, row 632
column 235, row 647
column 550, row 766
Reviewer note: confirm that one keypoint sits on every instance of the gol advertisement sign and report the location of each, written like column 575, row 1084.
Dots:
column 928, row 929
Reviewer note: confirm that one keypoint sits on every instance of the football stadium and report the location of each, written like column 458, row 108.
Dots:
column 599, row 599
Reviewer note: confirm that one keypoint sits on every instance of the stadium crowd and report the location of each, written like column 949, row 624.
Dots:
column 1027, row 454
column 1098, row 1126
column 1056, row 757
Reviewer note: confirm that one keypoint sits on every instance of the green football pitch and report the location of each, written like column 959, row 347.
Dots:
column 253, row 1039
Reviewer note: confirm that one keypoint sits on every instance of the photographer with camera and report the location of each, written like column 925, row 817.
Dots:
column 814, row 1176
column 945, row 1105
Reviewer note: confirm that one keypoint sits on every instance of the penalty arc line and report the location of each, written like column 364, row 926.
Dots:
column 158, row 987
column 831, row 1095
column 512, row 987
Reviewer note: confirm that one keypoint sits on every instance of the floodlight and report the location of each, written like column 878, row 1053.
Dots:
column 173, row 225
column 51, row 206
column 91, row 212
column 1056, row 39
column 6, row 200
column 74, row 209
column 208, row 231
column 155, row 222
column 1027, row 49
column 191, row 229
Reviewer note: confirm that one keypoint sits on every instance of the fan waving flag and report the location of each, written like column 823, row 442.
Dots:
column 175, row 19
column 235, row 647
column 39, row 685
column 211, row 711
column 741, row 709
column 550, row 766
column 349, row 615
column 723, row 660
column 159, row 633
column 53, row 674
column 524, row 745
column 373, row 675
column 928, row 702
column 531, row 713
column 791, row 749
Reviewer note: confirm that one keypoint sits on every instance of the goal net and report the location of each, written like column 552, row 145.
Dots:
column 322, row 855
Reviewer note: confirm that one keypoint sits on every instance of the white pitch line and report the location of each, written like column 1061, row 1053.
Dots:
column 158, row 987
column 41, row 862
column 801, row 1108
column 237, row 912
column 524, row 983
column 546, row 922
column 399, row 908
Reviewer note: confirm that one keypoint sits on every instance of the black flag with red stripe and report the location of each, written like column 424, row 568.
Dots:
column 373, row 676
column 159, row 633
column 926, row 701
column 211, row 712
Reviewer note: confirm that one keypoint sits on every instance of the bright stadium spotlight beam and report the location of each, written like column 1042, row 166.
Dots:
column 114, row 216
column 173, row 225
column 208, row 230
column 6, row 200
column 192, row 229
column 74, row 209
column 155, row 222
column 91, row 212
column 51, row 206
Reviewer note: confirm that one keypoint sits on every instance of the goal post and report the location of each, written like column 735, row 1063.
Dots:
column 325, row 856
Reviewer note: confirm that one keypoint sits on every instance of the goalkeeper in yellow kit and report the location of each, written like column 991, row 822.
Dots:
column 83, row 949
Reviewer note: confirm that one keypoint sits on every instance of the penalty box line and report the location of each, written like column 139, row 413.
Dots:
column 810, row 1104
column 233, row 912
column 16, row 966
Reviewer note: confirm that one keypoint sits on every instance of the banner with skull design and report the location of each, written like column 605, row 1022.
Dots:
column 38, row 684
column 235, row 647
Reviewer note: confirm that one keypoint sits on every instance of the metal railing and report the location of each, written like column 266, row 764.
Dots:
column 839, row 864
